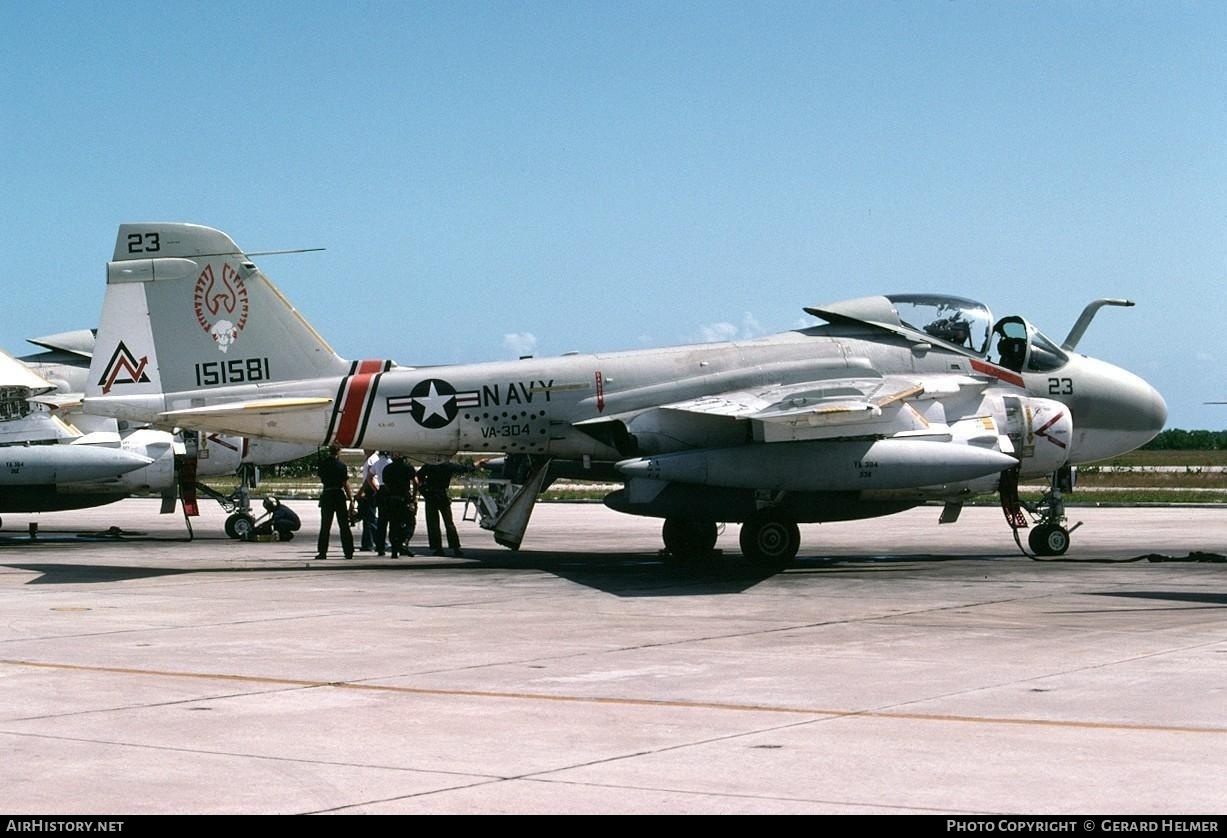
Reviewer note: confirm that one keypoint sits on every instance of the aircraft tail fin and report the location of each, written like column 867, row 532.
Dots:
column 186, row 309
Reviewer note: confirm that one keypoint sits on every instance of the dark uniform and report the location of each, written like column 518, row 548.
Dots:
column 396, row 497
column 334, row 500
column 434, row 479
column 281, row 520
column 285, row 522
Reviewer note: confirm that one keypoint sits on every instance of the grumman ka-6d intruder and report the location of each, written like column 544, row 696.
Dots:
column 896, row 400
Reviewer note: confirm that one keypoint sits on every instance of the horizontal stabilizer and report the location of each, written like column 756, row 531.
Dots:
column 304, row 420
column 262, row 407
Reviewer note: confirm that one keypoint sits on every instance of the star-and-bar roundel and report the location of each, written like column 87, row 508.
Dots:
column 433, row 403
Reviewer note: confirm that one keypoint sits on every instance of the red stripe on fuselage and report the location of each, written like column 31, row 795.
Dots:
column 998, row 372
column 357, row 389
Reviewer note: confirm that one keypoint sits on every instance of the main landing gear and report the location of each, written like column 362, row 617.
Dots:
column 768, row 538
column 1049, row 536
column 688, row 539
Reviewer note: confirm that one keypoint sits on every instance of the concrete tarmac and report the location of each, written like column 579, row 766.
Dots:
column 898, row 667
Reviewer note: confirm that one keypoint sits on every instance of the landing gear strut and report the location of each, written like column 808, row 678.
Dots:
column 1049, row 537
column 241, row 522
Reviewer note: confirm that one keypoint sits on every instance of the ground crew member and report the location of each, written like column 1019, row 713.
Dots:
column 335, row 499
column 281, row 520
column 399, row 505
column 374, row 528
column 434, row 479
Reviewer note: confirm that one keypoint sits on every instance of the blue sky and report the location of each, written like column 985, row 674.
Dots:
column 495, row 178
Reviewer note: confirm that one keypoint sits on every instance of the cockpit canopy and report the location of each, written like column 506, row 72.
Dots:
column 1023, row 348
column 953, row 321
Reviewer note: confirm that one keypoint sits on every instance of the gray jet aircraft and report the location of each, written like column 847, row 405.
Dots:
column 45, row 461
column 55, row 457
column 895, row 401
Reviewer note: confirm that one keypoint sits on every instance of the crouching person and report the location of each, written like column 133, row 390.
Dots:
column 279, row 519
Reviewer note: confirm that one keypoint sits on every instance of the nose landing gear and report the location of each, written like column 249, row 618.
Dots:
column 1050, row 536
column 1048, row 540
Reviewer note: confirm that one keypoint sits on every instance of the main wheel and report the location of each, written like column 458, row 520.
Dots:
column 770, row 540
column 1049, row 540
column 688, row 539
column 240, row 525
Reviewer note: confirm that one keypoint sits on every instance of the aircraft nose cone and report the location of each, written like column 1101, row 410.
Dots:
column 1114, row 412
column 1138, row 409
column 1156, row 413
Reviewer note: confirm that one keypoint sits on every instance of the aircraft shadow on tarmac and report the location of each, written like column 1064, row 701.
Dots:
column 627, row 575
column 114, row 535
column 88, row 574
column 1203, row 599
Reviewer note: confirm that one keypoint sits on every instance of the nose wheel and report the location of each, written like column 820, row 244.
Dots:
column 240, row 525
column 1049, row 536
column 1048, row 540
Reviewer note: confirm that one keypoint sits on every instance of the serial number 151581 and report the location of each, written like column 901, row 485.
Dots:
column 232, row 371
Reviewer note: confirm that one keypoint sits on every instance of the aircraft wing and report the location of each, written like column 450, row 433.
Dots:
column 826, row 402
column 13, row 373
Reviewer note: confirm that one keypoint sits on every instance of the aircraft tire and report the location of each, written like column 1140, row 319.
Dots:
column 770, row 540
column 1049, row 540
column 239, row 525
column 688, row 539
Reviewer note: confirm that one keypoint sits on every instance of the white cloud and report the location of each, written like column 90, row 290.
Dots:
column 713, row 332
column 520, row 343
column 723, row 330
